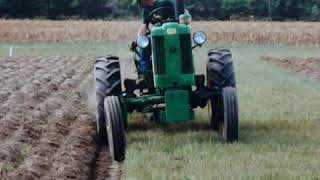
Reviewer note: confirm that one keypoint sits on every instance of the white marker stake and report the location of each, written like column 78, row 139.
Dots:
column 11, row 51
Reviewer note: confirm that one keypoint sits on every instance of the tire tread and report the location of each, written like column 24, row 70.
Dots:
column 107, row 83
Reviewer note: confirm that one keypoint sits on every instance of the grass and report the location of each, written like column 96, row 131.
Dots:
column 279, row 129
column 279, row 114
column 5, row 169
column 90, row 49
column 23, row 152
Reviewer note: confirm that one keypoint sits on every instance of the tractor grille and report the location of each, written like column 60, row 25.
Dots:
column 186, row 54
column 159, row 54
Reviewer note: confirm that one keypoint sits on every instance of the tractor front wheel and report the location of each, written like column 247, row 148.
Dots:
column 115, row 128
column 229, row 127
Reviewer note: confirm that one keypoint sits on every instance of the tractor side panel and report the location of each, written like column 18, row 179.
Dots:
column 172, row 56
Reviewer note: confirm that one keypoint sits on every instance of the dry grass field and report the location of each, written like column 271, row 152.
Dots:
column 291, row 33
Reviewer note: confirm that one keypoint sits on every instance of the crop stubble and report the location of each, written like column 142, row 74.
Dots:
column 292, row 33
column 46, row 129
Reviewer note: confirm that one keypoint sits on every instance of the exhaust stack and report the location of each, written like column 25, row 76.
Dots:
column 179, row 5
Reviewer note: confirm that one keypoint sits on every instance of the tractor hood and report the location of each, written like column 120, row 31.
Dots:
column 172, row 55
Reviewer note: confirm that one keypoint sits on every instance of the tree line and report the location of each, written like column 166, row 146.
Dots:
column 279, row 10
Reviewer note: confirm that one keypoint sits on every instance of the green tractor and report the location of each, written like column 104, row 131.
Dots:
column 170, row 90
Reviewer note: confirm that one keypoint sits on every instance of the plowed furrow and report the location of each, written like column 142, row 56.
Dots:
column 23, row 92
column 38, row 94
column 46, row 129
column 9, row 72
column 80, row 158
column 18, row 79
column 104, row 167
column 35, row 166
column 32, row 90
column 38, row 161
column 14, row 65
column 308, row 66
column 72, row 160
column 27, row 68
column 36, row 121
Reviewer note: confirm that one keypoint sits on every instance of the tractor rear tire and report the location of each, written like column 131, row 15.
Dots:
column 115, row 128
column 220, row 74
column 230, row 125
column 107, row 83
column 220, row 70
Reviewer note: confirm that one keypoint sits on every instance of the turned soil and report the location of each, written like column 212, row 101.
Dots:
column 46, row 128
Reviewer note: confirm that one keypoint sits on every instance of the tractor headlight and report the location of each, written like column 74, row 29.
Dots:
column 199, row 38
column 143, row 41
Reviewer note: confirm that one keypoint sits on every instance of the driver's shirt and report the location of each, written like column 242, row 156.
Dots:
column 148, row 9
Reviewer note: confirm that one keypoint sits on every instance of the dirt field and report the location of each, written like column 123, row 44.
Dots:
column 46, row 129
column 293, row 33
column 309, row 67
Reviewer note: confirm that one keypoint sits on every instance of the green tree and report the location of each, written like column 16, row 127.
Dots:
column 259, row 8
column 58, row 8
column 295, row 9
column 26, row 9
column 238, row 7
column 93, row 9
column 3, row 7
column 315, row 13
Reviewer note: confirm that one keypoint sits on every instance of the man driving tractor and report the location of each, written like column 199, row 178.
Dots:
column 145, row 54
column 148, row 6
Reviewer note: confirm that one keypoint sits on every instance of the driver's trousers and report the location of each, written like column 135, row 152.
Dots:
column 145, row 58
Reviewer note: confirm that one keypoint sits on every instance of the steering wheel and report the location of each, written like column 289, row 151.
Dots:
column 161, row 15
